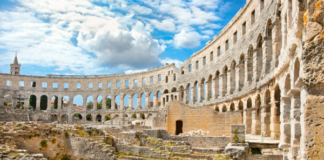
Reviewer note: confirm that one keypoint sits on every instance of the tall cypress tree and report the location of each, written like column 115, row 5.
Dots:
column 32, row 101
column 43, row 104
column 55, row 102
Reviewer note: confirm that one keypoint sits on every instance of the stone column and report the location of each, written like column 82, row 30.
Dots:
column 222, row 85
column 38, row 101
column 266, row 59
column 112, row 103
column 265, row 120
column 130, row 107
column 247, row 120
column 84, row 105
column 240, row 77
column 49, row 104
column 256, row 123
column 121, row 102
column 155, row 101
column 104, row 102
column 147, row 101
column 59, row 104
column 285, row 122
column 26, row 102
column 94, row 118
column 248, row 70
column 295, row 122
column 139, row 102
column 200, row 92
column 275, row 120
column 208, row 90
column 215, row 87
column 95, row 107
column 257, row 65
column 230, row 85
column 276, row 43
column 185, row 98
column 138, row 115
column 69, row 120
column 193, row 94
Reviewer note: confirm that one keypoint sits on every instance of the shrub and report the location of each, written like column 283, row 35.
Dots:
column 120, row 154
column 243, row 141
column 66, row 134
column 89, row 132
column 43, row 143
column 9, row 104
column 235, row 137
column 65, row 157
column 129, row 153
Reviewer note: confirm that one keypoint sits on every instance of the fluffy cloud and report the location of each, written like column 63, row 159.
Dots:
column 170, row 61
column 208, row 32
column 141, row 10
column 165, row 25
column 189, row 39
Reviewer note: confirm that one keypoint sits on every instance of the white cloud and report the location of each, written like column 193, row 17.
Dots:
column 135, row 71
column 141, row 10
column 165, row 25
column 189, row 39
column 170, row 61
column 208, row 32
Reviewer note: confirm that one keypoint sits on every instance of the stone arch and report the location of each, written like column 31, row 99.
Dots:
column 89, row 118
column 125, row 115
column 259, row 55
column 54, row 102
column 296, row 70
column 224, row 109
column 267, row 97
column 159, row 98
column 33, row 101
column 217, row 109
column 126, row 101
column 142, row 100
column 107, row 117
column 233, row 77
column 79, row 101
column 257, row 115
column 149, row 115
column 54, row 117
column 174, row 89
column 134, row 97
column 188, row 91
column 77, row 118
column 117, row 102
column 133, row 116
column 209, row 87
column 98, row 118
column 249, row 103
column 99, row 102
column 116, row 116
column 232, row 107
column 64, row 118
column 241, row 68
column 89, row 105
column 240, row 106
column 43, row 102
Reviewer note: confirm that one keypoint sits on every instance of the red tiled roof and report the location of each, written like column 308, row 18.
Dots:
column 79, row 108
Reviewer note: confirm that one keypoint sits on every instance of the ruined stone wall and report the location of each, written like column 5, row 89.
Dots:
column 204, row 118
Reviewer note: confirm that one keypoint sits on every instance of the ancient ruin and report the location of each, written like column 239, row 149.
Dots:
column 253, row 92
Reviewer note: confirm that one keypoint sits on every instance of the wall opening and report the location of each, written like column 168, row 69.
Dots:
column 179, row 126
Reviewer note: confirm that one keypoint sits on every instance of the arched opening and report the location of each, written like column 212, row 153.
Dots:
column 276, row 112
column 134, row 101
column 126, row 102
column 217, row 109
column 296, row 70
column 32, row 102
column 259, row 52
column 78, row 101
column 179, row 126
column 240, row 106
column 159, row 103
column 181, row 92
column 116, row 116
column 202, row 89
column 89, row 118
column 143, row 116
column 249, row 103
column 225, row 70
column 188, row 90
column 224, row 108
column 108, row 102
column 195, row 92
column 143, row 100
column 43, row 102
column 64, row 118
column 242, row 72
column 257, row 116
column 134, row 116
column 54, row 117
column 54, row 102
column 125, row 115
column 248, row 116
column 267, row 97
column 65, row 102
column 217, row 82
column 268, row 40
column 89, row 103
column 107, row 117
column 151, row 99
column 232, row 107
column 117, row 102
column 99, row 102
column 209, row 87
column 77, row 118
column 98, row 118
column 250, row 64
column 233, row 77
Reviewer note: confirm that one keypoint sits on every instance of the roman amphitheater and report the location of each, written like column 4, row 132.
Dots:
column 262, row 75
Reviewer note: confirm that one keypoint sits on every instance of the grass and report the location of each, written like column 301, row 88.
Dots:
column 121, row 154
column 43, row 143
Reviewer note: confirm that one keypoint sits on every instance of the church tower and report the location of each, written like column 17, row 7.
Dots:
column 15, row 67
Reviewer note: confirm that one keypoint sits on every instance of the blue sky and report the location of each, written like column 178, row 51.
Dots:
column 89, row 37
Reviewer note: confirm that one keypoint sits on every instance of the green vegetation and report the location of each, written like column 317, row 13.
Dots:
column 129, row 153
column 43, row 104
column 134, row 116
column 90, row 105
column 66, row 134
column 55, row 102
column 53, row 141
column 121, row 154
column 235, row 137
column 107, row 117
column 65, row 157
column 43, row 143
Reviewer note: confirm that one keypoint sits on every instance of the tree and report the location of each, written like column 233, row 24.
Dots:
column 107, row 117
column 90, row 105
column 143, row 116
column 43, row 104
column 32, row 101
column 134, row 116
column 55, row 102
column 108, row 103
column 99, row 105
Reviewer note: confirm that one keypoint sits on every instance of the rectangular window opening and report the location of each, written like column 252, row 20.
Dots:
column 44, row 85
column 54, row 85
column 160, row 77
column 190, row 68
column 109, row 84
column 219, row 51
column 100, row 85
column 33, row 84
column 135, row 82
column 235, row 37
column 118, row 83
column 197, row 64
column 211, row 56
column 243, row 28
column 143, row 80
column 21, row 84
column 227, row 45
column 126, row 83
column 182, row 70
column 152, row 79
column 78, row 85
column 66, row 85
column 252, row 17
column 204, row 60
column 90, row 85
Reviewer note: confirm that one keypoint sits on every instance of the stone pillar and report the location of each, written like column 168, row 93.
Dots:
column 222, row 87
column 147, row 101
column 265, row 120
column 59, row 104
column 139, row 102
column 130, row 97
column 240, row 77
column 185, row 96
column 247, row 120
column 193, row 94
column 104, row 102
column 276, row 43
column 49, row 104
column 38, row 101
column 256, row 123
column 229, row 82
column 84, row 105
column 200, row 92
column 266, row 59
column 112, row 103
column 138, row 115
column 95, row 107
column 258, row 66
column 94, row 118
column 248, row 70
column 216, row 87
column 208, row 90
column 121, row 102
column 155, row 101
column 295, row 122
column 275, row 120
column 285, row 122
column 69, row 120
column 240, row 131
column 26, row 102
